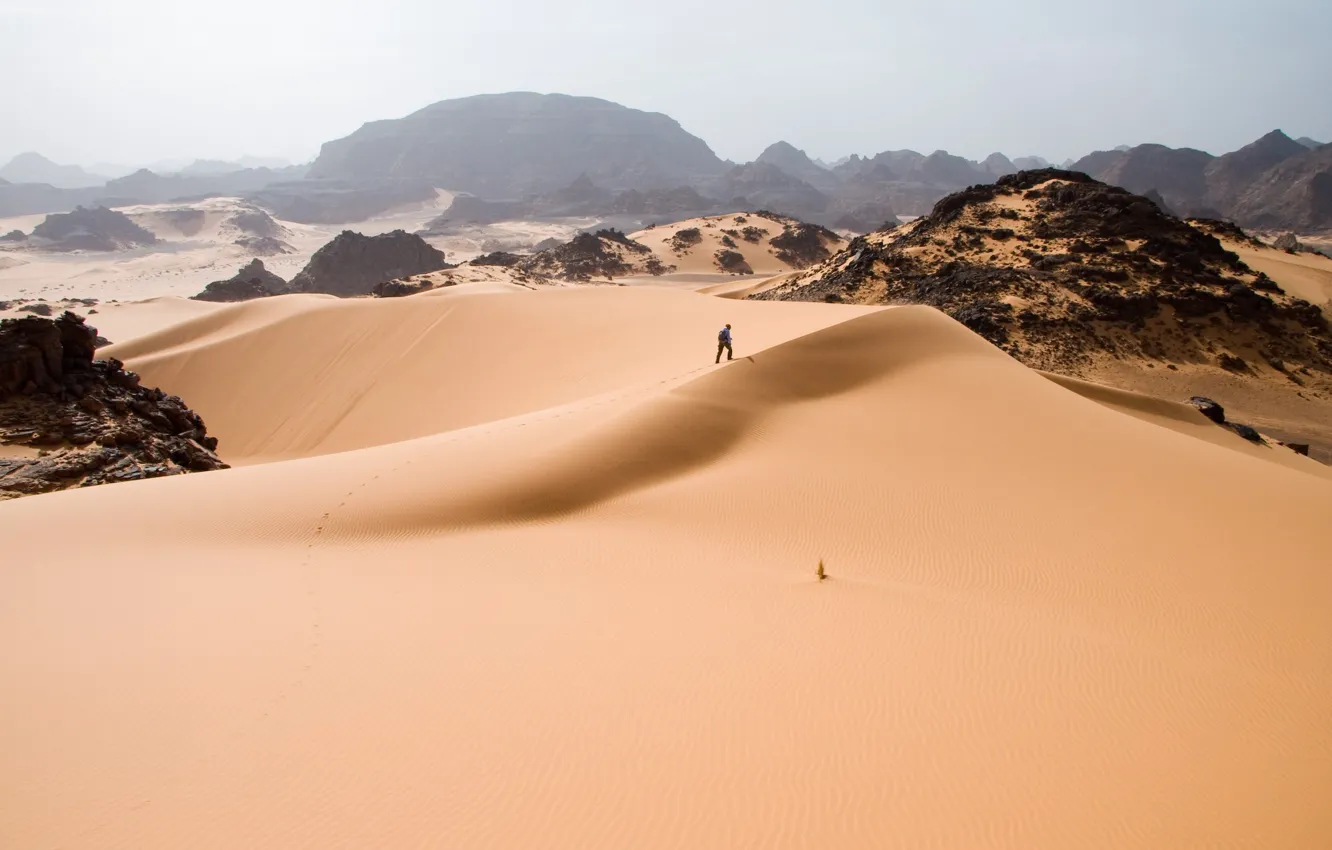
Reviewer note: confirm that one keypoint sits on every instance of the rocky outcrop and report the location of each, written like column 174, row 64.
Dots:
column 1287, row 242
column 14, row 236
column 83, row 421
column 801, row 245
column 252, row 281
column 90, row 229
column 353, row 264
column 264, row 246
column 1063, row 271
column 402, row 288
column 501, row 258
column 511, row 145
column 604, row 254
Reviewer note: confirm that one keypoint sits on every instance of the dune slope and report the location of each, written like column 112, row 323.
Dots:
column 595, row 622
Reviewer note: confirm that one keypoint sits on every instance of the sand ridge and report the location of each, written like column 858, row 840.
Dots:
column 548, row 580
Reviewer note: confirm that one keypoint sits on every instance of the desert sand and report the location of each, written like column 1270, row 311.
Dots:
column 509, row 568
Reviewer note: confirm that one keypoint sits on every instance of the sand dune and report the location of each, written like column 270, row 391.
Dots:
column 1307, row 276
column 540, row 575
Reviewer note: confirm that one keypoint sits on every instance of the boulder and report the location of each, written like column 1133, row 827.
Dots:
column 1287, row 242
column 1209, row 408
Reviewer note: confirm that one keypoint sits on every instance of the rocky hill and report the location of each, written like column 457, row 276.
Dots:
column 1274, row 183
column 1229, row 176
column 68, row 420
column 603, row 255
column 744, row 243
column 35, row 168
column 1063, row 271
column 1179, row 175
column 762, row 185
column 504, row 146
column 797, row 163
column 252, row 281
column 353, row 264
column 90, row 229
column 1296, row 194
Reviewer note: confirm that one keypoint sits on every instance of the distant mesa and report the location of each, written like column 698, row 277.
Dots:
column 1065, row 273
column 14, row 236
column 35, row 168
column 507, row 145
column 353, row 264
column 252, row 281
column 90, row 229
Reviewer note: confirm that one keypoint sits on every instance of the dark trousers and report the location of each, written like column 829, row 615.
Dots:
column 723, row 346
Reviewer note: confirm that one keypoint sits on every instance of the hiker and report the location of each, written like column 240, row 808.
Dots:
column 724, row 342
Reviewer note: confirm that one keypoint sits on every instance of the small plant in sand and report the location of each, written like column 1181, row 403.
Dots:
column 820, row 574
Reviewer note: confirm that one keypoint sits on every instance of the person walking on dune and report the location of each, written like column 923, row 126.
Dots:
column 724, row 343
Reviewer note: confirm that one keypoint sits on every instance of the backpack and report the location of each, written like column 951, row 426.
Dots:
column 721, row 335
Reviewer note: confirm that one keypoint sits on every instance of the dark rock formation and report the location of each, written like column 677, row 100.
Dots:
column 606, row 253
column 1287, row 242
column 732, row 262
column 501, row 258
column 14, row 236
column 86, row 421
column 801, row 245
column 353, row 264
column 402, row 288
column 1209, row 408
column 90, row 229
column 509, row 145
column 264, row 246
column 252, row 281
column 685, row 239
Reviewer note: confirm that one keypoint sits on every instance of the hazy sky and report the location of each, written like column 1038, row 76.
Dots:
column 133, row 81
